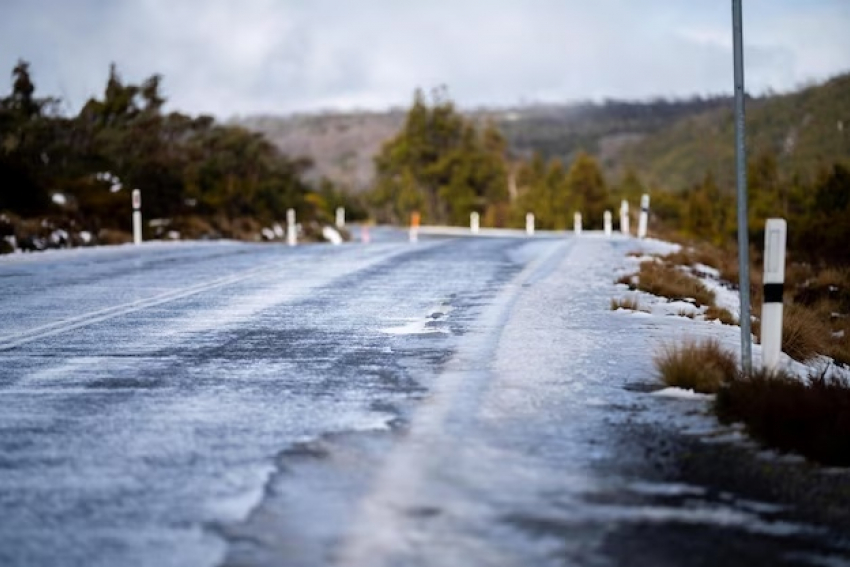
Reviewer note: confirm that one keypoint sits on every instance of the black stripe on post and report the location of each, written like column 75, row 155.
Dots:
column 773, row 292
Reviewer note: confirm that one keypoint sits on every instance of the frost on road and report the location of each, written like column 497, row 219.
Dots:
column 454, row 402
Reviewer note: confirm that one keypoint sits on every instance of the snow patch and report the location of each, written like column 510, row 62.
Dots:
column 707, row 271
column 331, row 235
column 682, row 394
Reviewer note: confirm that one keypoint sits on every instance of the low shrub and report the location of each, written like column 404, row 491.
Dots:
column 810, row 417
column 108, row 236
column 701, row 366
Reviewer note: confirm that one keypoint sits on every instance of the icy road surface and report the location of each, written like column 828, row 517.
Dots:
column 451, row 403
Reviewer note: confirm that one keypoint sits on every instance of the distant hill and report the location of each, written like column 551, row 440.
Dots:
column 671, row 144
column 341, row 145
column 807, row 130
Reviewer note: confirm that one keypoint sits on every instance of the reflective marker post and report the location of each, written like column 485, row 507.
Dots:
column 474, row 222
column 775, row 236
column 643, row 221
column 291, row 228
column 577, row 223
column 414, row 226
column 340, row 217
column 529, row 224
column 624, row 217
column 741, row 182
column 137, row 216
column 607, row 223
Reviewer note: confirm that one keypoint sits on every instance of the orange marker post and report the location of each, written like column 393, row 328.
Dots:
column 414, row 226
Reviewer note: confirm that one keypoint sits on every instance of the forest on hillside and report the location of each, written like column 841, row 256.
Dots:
column 66, row 180
column 446, row 166
column 670, row 143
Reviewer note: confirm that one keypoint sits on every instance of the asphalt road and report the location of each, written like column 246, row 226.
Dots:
column 453, row 402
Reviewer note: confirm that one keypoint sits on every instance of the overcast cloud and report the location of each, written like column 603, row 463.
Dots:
column 278, row 56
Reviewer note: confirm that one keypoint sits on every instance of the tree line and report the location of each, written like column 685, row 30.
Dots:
column 446, row 166
column 207, row 178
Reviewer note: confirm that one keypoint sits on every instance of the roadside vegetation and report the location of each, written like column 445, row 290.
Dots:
column 816, row 318
column 809, row 416
column 66, row 180
column 702, row 366
column 629, row 303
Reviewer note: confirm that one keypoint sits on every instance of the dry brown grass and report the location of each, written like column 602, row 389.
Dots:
column 703, row 366
column 810, row 417
column 245, row 228
column 194, row 227
column 834, row 277
column 840, row 351
column 682, row 257
column 631, row 303
column 667, row 281
column 714, row 313
column 805, row 334
column 797, row 274
column 698, row 254
column 108, row 236
column 627, row 280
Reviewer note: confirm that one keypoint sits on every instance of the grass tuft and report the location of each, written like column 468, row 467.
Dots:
column 630, row 303
column 805, row 334
column 628, row 280
column 701, row 366
column 667, row 281
column 714, row 313
column 810, row 417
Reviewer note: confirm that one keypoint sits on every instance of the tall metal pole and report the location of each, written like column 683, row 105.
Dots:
column 741, row 178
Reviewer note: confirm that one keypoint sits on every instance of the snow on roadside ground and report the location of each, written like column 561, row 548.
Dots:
column 685, row 317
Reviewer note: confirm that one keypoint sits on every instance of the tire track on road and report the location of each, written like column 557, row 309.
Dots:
column 13, row 341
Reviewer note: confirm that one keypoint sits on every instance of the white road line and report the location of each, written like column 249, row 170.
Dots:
column 9, row 342
column 86, row 319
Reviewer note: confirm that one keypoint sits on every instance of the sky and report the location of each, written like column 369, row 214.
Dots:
column 241, row 57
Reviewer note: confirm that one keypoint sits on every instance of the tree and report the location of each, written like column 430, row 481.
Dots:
column 22, row 101
column 441, row 165
column 588, row 189
column 186, row 166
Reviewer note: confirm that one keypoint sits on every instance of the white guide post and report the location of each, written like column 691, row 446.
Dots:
column 340, row 217
column 775, row 236
column 529, row 224
column 644, row 216
column 137, row 216
column 291, row 228
column 607, row 222
column 474, row 222
column 577, row 223
column 624, row 217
